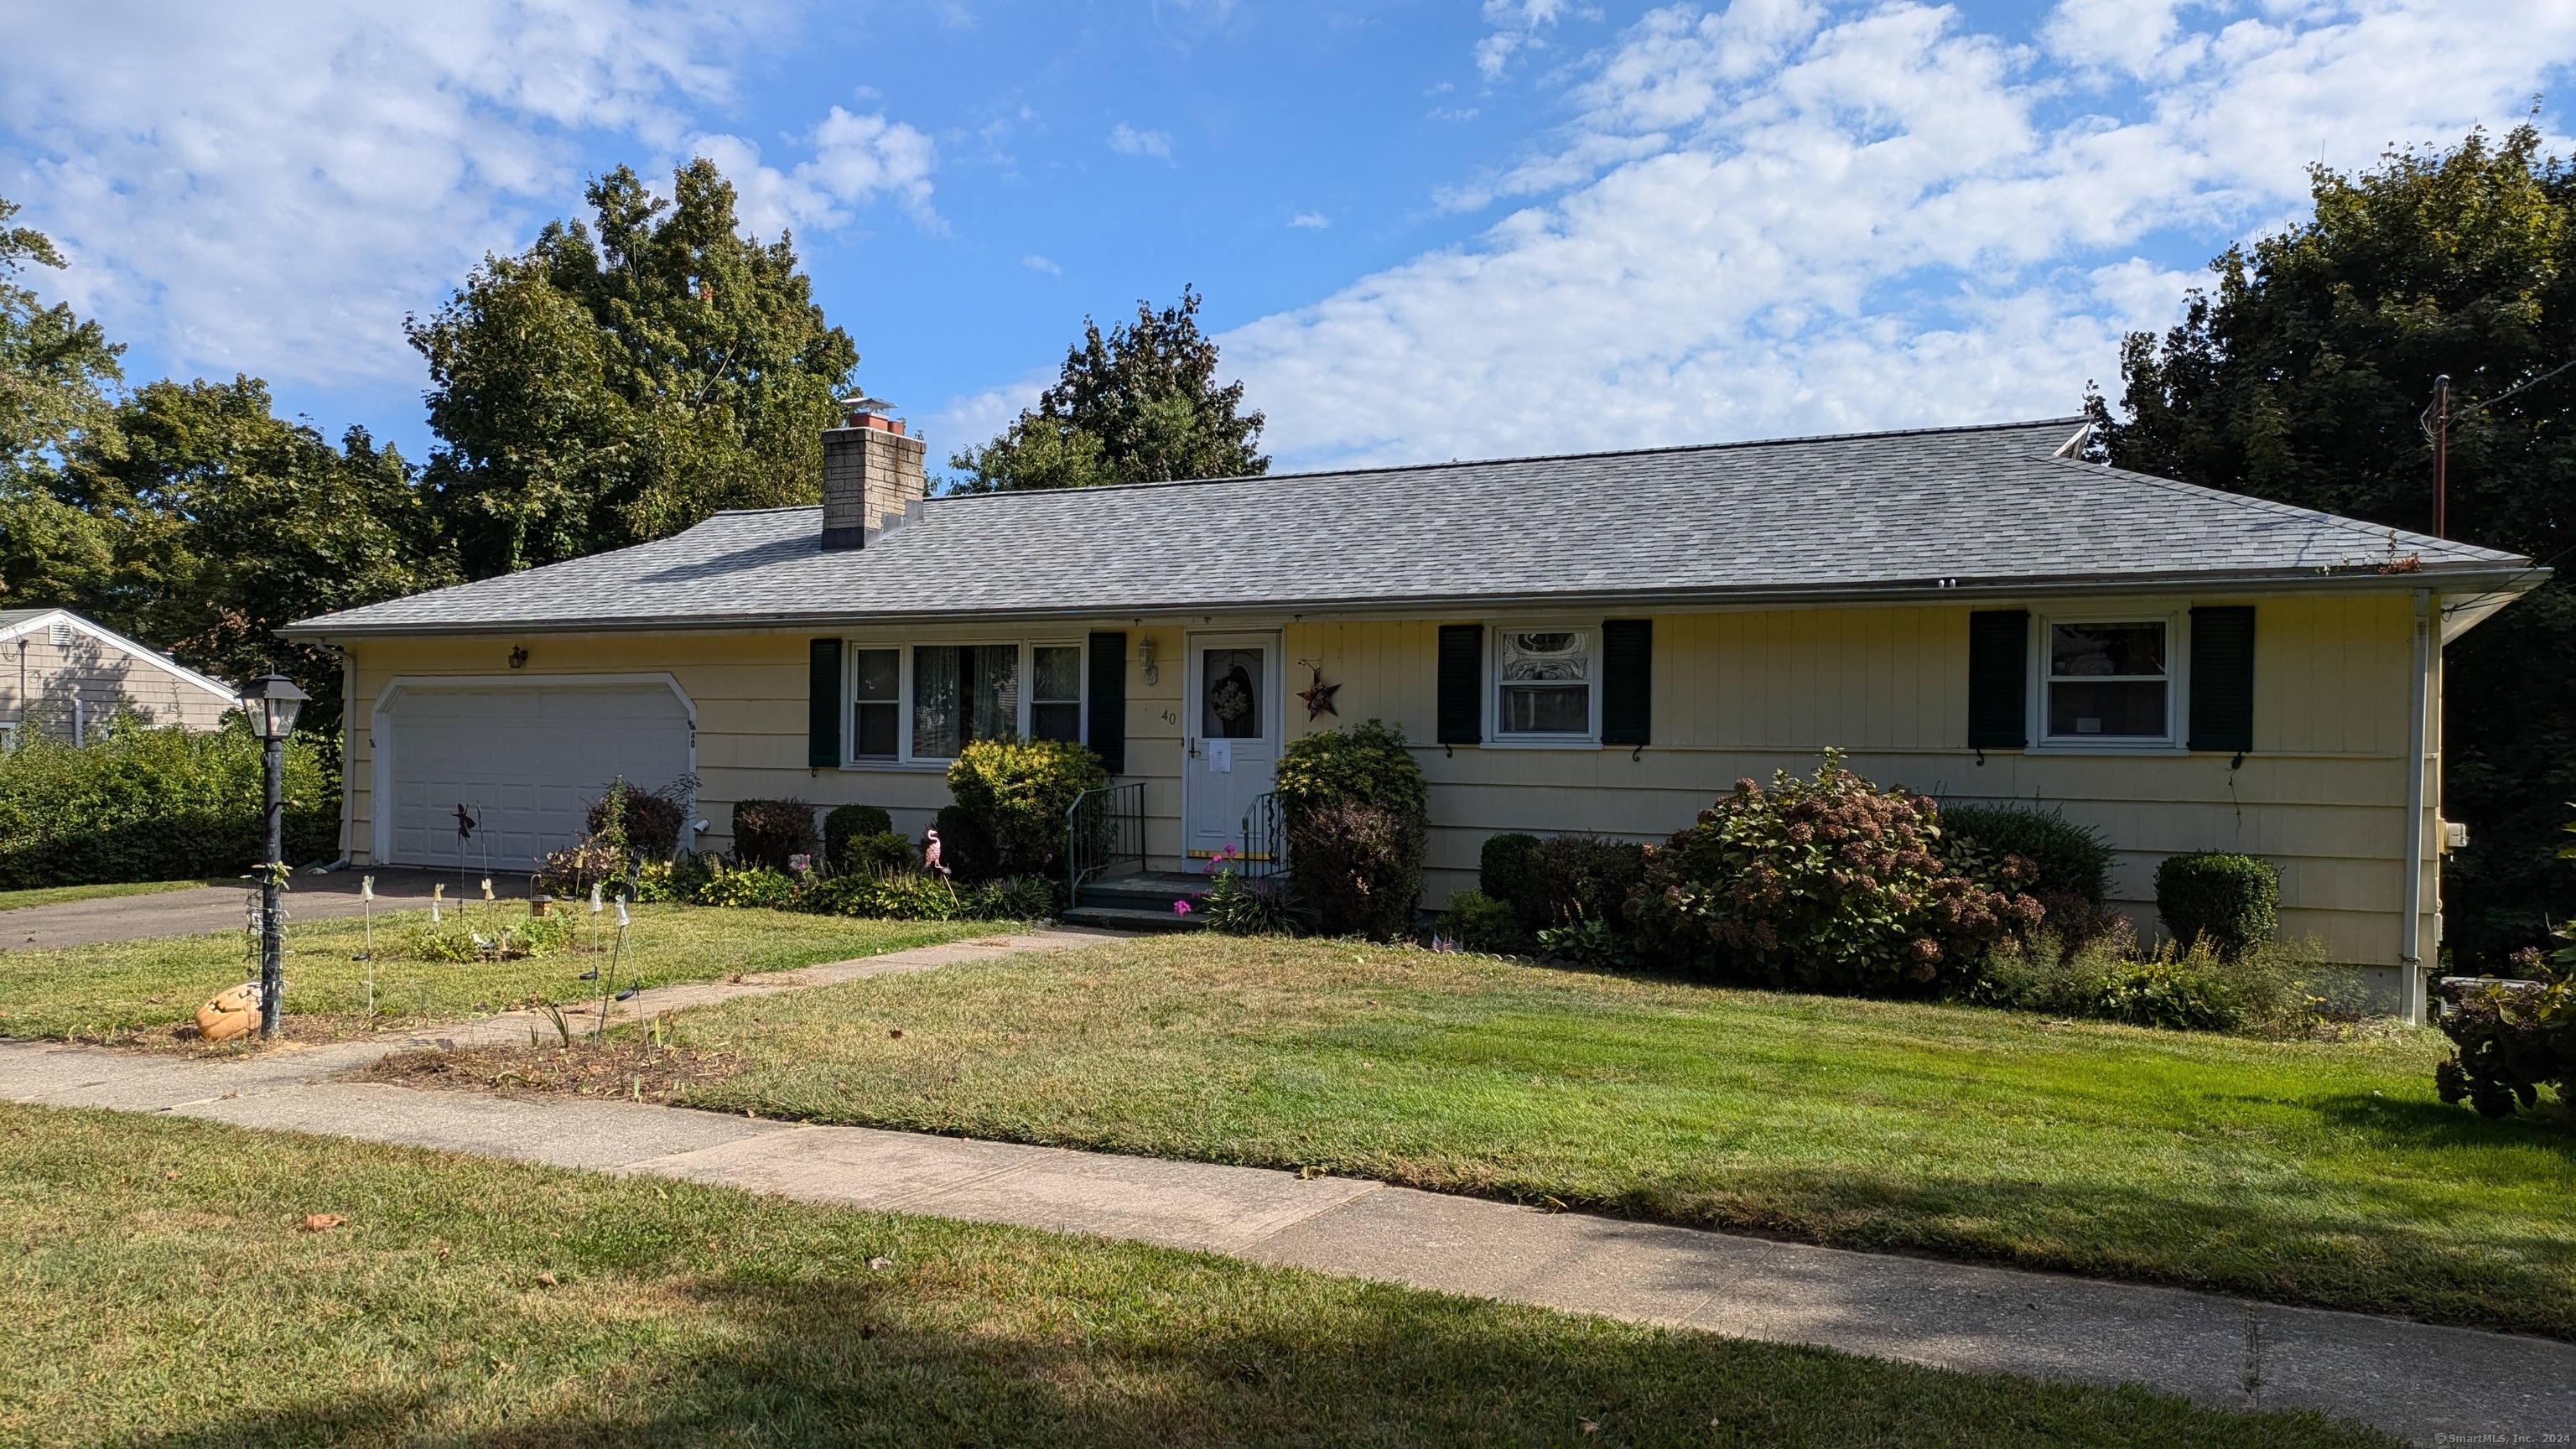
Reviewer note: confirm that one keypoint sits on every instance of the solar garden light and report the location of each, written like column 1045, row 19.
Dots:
column 271, row 702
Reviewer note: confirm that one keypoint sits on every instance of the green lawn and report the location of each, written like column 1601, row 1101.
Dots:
column 158, row 1290
column 137, row 989
column 57, row 895
column 2322, row 1173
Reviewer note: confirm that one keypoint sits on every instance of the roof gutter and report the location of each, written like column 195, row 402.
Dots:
column 2506, row 581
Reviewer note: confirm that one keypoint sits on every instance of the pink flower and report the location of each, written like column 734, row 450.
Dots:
column 1180, row 908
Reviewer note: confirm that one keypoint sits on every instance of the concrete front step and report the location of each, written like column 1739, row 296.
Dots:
column 1120, row 918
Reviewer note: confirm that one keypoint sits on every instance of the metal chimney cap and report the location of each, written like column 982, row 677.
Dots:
column 865, row 404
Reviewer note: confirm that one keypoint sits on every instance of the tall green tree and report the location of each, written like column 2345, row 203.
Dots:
column 2302, row 379
column 57, row 371
column 626, row 377
column 222, row 522
column 1139, row 405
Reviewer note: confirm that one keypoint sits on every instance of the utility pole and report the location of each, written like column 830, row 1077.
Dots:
column 2437, row 425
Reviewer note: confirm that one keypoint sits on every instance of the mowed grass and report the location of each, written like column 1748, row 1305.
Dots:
column 129, row 990
column 159, row 1289
column 2321, row 1173
column 57, row 895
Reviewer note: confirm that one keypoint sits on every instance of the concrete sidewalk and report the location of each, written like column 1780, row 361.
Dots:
column 2410, row 1379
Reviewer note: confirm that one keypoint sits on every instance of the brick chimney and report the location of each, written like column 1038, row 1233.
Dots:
column 871, row 469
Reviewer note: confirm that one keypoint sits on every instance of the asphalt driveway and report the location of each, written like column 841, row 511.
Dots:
column 224, row 907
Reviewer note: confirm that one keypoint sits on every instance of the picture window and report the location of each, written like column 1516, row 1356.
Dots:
column 2109, row 681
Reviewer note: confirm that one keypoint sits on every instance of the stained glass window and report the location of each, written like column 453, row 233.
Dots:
column 1546, row 681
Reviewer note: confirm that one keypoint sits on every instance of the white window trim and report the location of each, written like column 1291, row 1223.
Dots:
column 904, row 647
column 1495, row 738
column 2177, row 684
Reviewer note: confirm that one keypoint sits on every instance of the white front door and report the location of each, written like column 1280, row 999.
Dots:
column 1231, row 729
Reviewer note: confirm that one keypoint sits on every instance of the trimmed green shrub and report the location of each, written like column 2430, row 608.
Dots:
column 966, row 849
column 1019, row 792
column 1238, row 907
column 1478, row 922
column 1582, row 878
column 848, row 823
column 2513, row 1038
column 767, row 832
column 158, row 804
column 1359, row 867
column 875, row 854
column 1365, row 764
column 2232, row 901
column 1830, row 884
column 2072, row 863
column 1503, row 872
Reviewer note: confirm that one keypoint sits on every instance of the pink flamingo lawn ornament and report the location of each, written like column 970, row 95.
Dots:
column 930, row 853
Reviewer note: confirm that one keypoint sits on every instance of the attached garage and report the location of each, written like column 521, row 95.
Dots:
column 523, row 759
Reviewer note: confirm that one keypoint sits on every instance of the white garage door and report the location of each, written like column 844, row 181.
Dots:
column 525, row 762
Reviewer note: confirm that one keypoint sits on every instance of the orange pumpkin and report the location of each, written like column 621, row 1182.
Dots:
column 230, row 1013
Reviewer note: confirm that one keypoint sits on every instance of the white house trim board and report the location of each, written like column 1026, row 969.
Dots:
column 383, row 763
column 50, row 617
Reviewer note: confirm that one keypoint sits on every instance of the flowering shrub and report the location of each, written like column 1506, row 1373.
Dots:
column 1830, row 884
column 2514, row 1037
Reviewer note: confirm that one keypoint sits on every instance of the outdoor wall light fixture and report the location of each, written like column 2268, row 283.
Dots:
column 272, row 701
column 1145, row 657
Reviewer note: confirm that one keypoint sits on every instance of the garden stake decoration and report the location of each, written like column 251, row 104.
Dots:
column 437, row 897
column 367, row 909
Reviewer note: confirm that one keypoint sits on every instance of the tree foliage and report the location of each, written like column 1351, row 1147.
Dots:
column 56, row 369
column 1139, row 405
column 624, row 378
column 2302, row 378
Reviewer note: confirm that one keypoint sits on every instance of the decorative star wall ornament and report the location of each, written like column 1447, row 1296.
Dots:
column 1318, row 695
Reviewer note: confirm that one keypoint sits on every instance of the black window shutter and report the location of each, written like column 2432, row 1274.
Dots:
column 823, row 707
column 2222, row 678
column 1627, row 681
column 1108, row 715
column 1999, row 679
column 1462, row 684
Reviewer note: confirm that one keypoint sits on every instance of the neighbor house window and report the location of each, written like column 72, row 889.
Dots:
column 2108, row 681
column 1055, row 693
column 877, row 717
column 1543, row 683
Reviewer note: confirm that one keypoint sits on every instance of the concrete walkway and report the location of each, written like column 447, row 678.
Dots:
column 2420, row 1382
column 221, row 907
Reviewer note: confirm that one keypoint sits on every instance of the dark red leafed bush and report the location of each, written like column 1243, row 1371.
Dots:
column 767, row 832
column 1829, row 884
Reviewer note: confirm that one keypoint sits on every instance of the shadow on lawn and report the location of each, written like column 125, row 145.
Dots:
column 2417, row 1124
column 836, row 1362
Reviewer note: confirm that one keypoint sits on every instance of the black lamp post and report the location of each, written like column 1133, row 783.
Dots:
column 271, row 702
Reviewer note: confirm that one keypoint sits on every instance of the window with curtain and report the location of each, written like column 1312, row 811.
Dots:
column 1055, row 693
column 962, row 693
column 1544, row 682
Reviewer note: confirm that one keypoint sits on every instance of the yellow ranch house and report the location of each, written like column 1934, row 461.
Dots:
column 1600, row 643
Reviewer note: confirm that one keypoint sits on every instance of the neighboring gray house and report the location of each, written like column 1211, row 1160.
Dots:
column 63, row 676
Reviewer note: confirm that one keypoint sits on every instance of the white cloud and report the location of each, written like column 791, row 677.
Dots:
column 856, row 159
column 1451, row 113
column 1310, row 220
column 1518, row 25
column 1784, row 217
column 1126, row 140
column 270, row 187
column 1036, row 263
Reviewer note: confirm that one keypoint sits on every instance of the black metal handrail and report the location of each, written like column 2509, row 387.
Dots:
column 1104, row 834
column 1265, row 839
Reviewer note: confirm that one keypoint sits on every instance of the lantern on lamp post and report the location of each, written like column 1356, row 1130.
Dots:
column 271, row 702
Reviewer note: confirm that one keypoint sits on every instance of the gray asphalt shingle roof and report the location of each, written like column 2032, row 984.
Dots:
column 1855, row 515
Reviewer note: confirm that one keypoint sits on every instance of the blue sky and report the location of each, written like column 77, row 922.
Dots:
column 1424, row 230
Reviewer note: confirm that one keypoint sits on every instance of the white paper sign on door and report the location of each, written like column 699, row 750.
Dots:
column 1220, row 757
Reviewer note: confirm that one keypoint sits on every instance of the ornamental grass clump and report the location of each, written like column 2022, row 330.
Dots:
column 1829, row 884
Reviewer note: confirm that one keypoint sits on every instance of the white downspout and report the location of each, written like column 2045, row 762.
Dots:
column 348, row 756
column 2410, row 931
